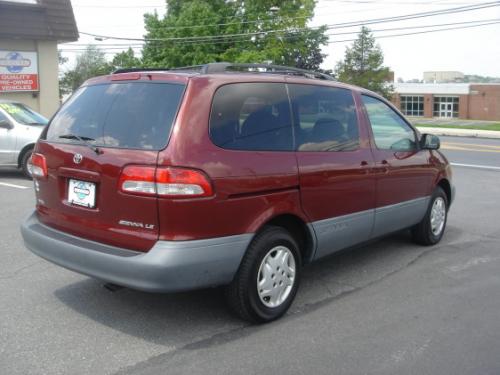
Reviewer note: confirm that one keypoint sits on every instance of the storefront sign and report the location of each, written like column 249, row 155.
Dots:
column 18, row 71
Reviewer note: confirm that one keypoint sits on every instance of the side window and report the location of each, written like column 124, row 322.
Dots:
column 389, row 130
column 325, row 118
column 252, row 116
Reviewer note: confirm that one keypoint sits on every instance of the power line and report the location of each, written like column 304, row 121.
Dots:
column 242, row 16
column 119, row 6
column 331, row 26
column 139, row 44
column 418, row 27
column 375, row 36
column 332, row 42
column 293, row 35
column 419, row 32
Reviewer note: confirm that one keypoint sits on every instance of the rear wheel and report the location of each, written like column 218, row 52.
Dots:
column 431, row 229
column 268, row 279
column 26, row 165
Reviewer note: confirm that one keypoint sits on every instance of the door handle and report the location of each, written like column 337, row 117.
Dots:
column 364, row 163
column 385, row 166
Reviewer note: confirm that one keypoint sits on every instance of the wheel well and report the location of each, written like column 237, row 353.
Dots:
column 299, row 230
column 445, row 185
column 23, row 151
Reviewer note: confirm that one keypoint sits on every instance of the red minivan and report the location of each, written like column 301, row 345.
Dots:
column 233, row 175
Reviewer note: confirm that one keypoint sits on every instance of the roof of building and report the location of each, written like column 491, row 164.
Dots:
column 443, row 72
column 440, row 88
column 432, row 88
column 40, row 20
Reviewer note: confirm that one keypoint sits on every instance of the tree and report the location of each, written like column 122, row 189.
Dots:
column 125, row 59
column 61, row 59
column 363, row 65
column 234, row 31
column 90, row 63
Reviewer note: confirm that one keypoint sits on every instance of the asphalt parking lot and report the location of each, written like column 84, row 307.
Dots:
column 390, row 307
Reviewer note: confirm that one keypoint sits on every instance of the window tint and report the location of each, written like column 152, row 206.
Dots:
column 124, row 115
column 389, row 129
column 325, row 118
column 251, row 116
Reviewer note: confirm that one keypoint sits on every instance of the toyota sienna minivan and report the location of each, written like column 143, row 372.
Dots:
column 228, row 175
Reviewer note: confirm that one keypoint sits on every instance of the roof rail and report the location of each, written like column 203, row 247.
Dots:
column 183, row 68
column 265, row 68
column 222, row 67
column 133, row 70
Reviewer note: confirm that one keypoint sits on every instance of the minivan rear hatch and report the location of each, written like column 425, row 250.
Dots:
column 102, row 129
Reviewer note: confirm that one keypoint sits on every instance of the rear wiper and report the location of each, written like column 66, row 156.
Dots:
column 83, row 140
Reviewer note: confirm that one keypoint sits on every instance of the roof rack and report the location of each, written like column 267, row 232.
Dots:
column 222, row 67
column 132, row 70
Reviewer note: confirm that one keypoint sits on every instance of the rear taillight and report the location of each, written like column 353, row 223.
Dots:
column 39, row 166
column 164, row 182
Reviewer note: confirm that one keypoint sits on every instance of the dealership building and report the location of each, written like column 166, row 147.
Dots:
column 29, row 33
column 449, row 100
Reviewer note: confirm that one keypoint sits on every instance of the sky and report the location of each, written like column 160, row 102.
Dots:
column 471, row 51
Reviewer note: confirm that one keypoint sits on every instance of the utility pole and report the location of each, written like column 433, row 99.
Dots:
column 362, row 50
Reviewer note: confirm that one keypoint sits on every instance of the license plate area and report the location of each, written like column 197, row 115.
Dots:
column 81, row 193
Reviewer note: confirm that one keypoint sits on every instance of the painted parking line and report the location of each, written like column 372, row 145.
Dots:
column 476, row 166
column 469, row 147
column 14, row 185
column 495, row 147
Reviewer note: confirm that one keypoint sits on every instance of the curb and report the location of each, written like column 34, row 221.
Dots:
column 453, row 132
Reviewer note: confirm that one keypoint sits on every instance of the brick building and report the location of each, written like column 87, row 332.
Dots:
column 449, row 100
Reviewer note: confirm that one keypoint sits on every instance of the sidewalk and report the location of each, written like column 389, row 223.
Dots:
column 448, row 121
column 453, row 132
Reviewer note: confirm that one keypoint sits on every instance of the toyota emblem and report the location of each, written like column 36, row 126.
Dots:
column 77, row 158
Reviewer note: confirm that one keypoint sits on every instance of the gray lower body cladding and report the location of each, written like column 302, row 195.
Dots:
column 168, row 267
column 184, row 265
column 341, row 232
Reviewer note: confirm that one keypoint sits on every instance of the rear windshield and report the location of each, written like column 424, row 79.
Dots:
column 123, row 115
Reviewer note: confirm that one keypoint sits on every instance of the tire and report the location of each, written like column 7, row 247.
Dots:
column 25, row 164
column 261, row 271
column 428, row 232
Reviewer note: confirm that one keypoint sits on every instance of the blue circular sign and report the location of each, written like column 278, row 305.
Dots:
column 81, row 191
column 16, row 68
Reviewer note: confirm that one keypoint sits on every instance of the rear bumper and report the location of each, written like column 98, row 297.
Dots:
column 169, row 266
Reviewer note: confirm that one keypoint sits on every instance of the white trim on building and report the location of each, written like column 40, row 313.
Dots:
column 432, row 88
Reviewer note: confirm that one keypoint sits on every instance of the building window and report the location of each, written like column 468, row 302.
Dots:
column 412, row 105
column 445, row 106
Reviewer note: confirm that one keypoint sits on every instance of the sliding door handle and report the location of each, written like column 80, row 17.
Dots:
column 385, row 166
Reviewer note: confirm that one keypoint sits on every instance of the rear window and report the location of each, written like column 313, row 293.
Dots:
column 123, row 115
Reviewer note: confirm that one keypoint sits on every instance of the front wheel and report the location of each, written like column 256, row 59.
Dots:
column 268, row 278
column 431, row 229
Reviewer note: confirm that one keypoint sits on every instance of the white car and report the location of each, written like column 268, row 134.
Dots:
column 20, row 128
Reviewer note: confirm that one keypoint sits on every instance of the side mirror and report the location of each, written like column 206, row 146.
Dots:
column 5, row 124
column 430, row 142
